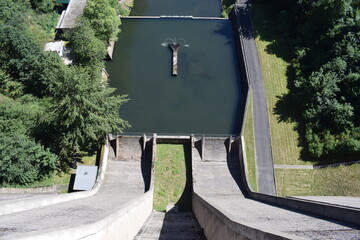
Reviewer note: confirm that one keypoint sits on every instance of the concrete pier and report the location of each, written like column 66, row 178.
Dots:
column 175, row 48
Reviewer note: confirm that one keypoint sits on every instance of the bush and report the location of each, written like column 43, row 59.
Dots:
column 22, row 161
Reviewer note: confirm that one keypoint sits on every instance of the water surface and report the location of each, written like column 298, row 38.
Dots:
column 206, row 95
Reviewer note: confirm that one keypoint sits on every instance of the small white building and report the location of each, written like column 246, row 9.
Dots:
column 60, row 48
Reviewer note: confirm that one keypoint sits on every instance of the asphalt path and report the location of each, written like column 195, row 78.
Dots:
column 264, row 160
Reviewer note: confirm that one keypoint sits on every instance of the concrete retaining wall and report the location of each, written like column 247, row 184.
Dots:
column 241, row 58
column 51, row 189
column 42, row 201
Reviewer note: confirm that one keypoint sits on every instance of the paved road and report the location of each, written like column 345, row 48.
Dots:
column 265, row 169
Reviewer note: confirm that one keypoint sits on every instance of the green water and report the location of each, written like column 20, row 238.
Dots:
column 204, row 98
column 200, row 8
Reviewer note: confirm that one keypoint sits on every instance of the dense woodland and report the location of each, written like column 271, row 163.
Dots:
column 324, row 78
column 52, row 114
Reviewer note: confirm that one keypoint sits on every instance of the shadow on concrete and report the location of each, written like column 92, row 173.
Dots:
column 181, row 225
column 146, row 164
column 185, row 201
column 233, row 163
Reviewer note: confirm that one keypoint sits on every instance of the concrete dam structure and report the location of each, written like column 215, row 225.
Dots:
column 120, row 205
column 223, row 206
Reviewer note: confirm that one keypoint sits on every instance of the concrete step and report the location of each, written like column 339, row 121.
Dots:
column 171, row 226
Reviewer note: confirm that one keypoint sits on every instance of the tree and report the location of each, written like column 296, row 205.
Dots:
column 82, row 113
column 42, row 5
column 87, row 48
column 24, row 61
column 22, row 161
column 103, row 19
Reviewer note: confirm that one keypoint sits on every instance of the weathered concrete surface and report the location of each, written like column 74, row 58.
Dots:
column 124, row 181
column 175, row 49
column 163, row 226
column 220, row 185
column 338, row 200
column 6, row 197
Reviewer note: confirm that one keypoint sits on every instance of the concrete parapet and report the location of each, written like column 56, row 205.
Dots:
column 217, row 225
column 14, row 206
column 122, row 224
column 330, row 211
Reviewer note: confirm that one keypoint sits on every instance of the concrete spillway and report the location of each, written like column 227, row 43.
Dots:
column 175, row 48
column 218, row 183
column 127, row 177
column 220, row 203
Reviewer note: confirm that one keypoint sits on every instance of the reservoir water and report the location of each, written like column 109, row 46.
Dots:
column 206, row 95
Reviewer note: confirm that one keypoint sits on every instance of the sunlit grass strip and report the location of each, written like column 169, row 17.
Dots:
column 170, row 175
column 338, row 181
column 250, row 146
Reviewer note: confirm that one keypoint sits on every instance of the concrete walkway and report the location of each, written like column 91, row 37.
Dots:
column 219, row 183
column 263, row 151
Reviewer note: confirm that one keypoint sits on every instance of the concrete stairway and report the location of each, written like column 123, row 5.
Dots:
column 171, row 226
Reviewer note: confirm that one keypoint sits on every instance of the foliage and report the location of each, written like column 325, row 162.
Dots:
column 87, row 48
column 42, row 5
column 47, row 108
column 324, row 37
column 227, row 6
column 22, row 161
column 82, row 112
column 103, row 18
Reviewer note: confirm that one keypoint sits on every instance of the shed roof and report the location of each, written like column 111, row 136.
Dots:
column 75, row 9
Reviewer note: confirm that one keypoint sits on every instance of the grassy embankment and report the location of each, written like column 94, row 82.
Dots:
column 249, row 146
column 286, row 141
column 125, row 7
column 173, row 176
column 226, row 6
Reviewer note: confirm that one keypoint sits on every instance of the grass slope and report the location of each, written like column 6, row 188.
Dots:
column 250, row 146
column 172, row 176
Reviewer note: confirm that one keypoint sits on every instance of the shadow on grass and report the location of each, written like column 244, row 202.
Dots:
column 185, row 201
column 286, row 108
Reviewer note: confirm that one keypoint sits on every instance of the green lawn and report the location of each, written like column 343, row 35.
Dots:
column 275, row 58
column 249, row 146
column 339, row 181
column 172, row 176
